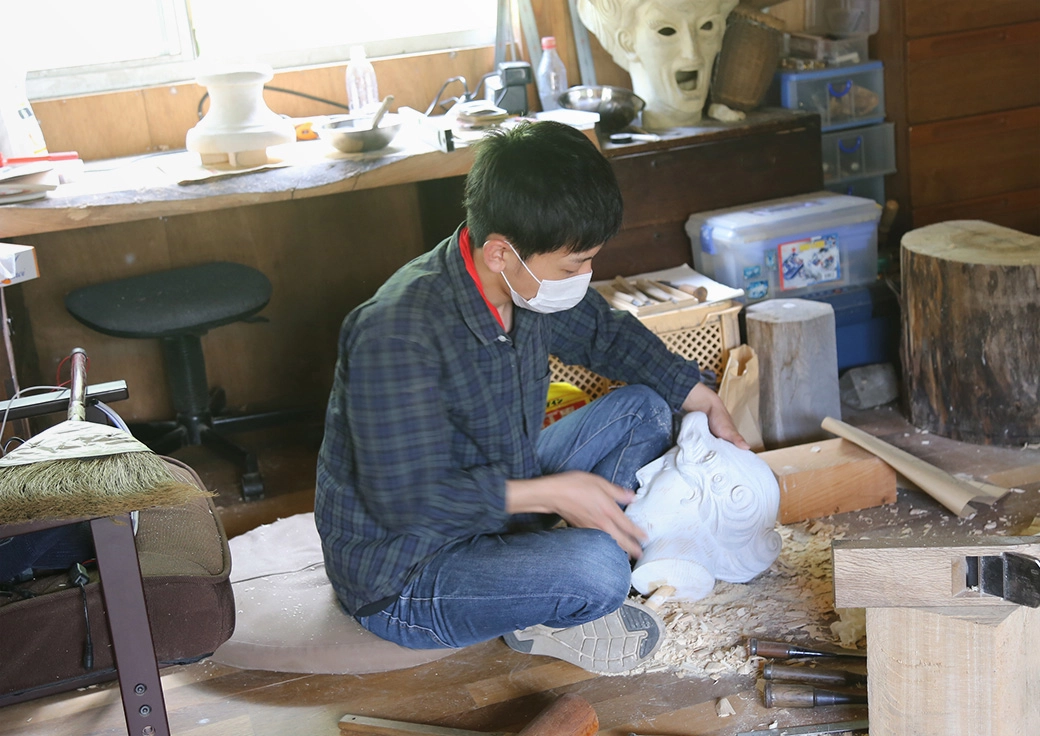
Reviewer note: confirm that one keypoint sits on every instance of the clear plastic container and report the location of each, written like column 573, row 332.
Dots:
column 872, row 187
column 841, row 17
column 844, row 97
column 788, row 247
column 551, row 75
column 362, row 87
column 856, row 153
column 834, row 51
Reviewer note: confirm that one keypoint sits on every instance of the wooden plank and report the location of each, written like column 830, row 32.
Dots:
column 829, row 477
column 953, row 672
column 901, row 573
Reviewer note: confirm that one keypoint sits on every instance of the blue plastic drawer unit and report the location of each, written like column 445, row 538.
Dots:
column 856, row 153
column 788, row 247
column 844, row 96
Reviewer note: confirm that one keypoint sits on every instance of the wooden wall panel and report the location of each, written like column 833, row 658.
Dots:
column 323, row 255
column 157, row 118
column 975, row 157
column 973, row 73
column 78, row 258
column 1016, row 210
column 928, row 17
column 98, row 126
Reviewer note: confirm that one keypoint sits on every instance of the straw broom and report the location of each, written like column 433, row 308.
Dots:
column 84, row 469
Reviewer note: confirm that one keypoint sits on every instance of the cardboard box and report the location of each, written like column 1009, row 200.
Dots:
column 17, row 263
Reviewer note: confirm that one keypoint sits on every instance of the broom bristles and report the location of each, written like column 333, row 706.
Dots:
column 89, row 487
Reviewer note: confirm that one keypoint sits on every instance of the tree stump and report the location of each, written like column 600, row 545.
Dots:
column 797, row 349
column 971, row 331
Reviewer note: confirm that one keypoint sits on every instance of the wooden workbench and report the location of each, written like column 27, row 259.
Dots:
column 328, row 229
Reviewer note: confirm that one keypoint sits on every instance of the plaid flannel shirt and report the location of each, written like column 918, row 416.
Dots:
column 434, row 406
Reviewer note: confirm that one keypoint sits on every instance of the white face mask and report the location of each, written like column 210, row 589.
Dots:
column 552, row 296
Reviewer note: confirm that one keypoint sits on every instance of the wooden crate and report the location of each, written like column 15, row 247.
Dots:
column 705, row 333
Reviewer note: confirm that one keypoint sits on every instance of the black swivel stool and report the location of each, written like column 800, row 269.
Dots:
column 178, row 307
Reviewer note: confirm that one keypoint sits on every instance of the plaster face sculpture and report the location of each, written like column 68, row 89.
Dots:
column 667, row 46
column 709, row 510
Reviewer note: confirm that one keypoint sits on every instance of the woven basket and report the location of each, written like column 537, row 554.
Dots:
column 705, row 333
column 750, row 54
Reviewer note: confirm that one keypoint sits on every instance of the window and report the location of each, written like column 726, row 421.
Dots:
column 70, row 47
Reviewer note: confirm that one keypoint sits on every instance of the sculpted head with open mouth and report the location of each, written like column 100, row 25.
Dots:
column 667, row 46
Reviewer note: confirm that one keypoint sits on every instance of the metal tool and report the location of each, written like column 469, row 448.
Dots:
column 1013, row 576
column 817, row 730
column 812, row 675
column 633, row 137
column 783, row 650
column 805, row 696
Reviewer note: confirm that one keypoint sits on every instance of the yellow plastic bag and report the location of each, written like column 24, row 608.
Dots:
column 563, row 398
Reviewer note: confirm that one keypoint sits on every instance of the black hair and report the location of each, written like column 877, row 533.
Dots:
column 544, row 186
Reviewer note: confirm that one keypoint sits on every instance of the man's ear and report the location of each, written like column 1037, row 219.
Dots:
column 494, row 253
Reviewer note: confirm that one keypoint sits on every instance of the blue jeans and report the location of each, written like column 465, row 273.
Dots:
column 483, row 587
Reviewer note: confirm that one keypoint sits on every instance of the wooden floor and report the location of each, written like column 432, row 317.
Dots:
column 489, row 687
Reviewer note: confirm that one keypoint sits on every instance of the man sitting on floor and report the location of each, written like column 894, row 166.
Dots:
column 438, row 492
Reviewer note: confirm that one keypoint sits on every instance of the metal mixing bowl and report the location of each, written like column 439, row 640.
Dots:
column 617, row 107
column 353, row 134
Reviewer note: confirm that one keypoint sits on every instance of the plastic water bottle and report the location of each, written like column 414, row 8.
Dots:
column 551, row 78
column 362, row 89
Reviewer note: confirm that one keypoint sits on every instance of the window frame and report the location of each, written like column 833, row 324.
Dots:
column 181, row 67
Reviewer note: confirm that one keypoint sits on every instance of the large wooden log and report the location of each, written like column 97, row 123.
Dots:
column 971, row 331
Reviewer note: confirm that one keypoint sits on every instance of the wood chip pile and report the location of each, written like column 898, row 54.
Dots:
column 792, row 601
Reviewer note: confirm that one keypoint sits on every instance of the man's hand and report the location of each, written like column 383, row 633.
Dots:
column 583, row 500
column 702, row 398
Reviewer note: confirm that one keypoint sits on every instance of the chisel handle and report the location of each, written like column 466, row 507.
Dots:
column 783, row 650
column 803, row 696
column 811, row 675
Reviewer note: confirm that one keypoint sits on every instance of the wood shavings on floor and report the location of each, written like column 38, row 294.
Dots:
column 792, row 601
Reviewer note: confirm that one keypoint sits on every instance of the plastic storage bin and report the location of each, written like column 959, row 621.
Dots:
column 788, row 247
column 872, row 187
column 845, row 96
column 841, row 17
column 866, row 324
column 856, row 153
column 834, row 51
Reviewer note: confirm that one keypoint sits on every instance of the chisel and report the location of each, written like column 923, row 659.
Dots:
column 783, row 650
column 804, row 696
column 812, row 675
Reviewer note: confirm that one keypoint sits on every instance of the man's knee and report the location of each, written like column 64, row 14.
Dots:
column 604, row 568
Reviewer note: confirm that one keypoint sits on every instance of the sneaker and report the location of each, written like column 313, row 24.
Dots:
column 617, row 642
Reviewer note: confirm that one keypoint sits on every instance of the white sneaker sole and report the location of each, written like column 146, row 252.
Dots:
column 617, row 642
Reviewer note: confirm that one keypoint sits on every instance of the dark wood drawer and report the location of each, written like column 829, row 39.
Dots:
column 975, row 72
column 929, row 17
column 1016, row 210
column 664, row 183
column 974, row 157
